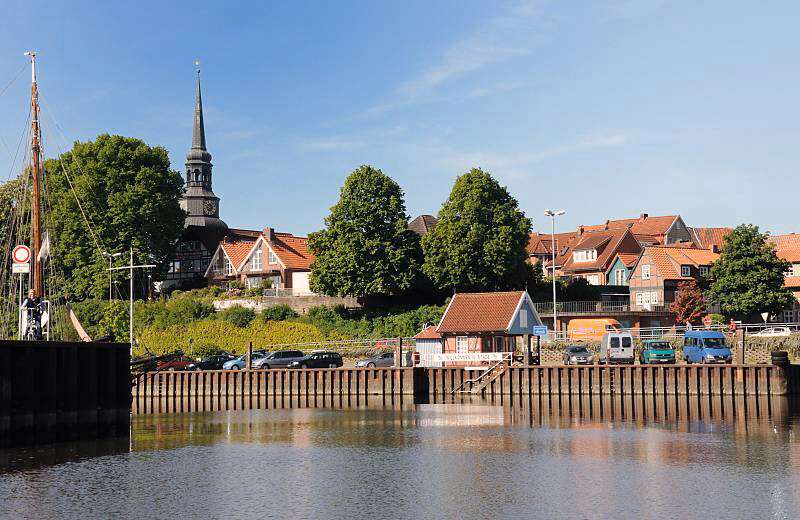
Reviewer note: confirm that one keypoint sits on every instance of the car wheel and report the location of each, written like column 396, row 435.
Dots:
column 333, row 365
column 369, row 365
column 265, row 366
column 303, row 366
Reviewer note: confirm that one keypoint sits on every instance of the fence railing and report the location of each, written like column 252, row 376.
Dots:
column 285, row 293
column 594, row 307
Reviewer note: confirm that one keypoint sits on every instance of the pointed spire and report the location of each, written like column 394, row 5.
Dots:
column 198, row 130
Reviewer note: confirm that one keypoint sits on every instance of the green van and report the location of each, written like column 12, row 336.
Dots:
column 656, row 351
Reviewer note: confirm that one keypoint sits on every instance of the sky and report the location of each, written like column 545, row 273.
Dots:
column 605, row 109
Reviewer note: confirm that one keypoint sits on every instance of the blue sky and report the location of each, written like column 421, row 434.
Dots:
column 606, row 109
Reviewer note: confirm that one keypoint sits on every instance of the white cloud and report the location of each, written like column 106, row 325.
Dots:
column 501, row 38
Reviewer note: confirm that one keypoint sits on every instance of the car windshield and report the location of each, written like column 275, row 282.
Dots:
column 578, row 350
column 714, row 342
column 660, row 345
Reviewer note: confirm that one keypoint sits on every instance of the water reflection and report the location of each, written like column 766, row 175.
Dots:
column 466, row 457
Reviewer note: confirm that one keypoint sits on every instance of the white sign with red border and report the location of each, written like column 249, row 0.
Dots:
column 21, row 255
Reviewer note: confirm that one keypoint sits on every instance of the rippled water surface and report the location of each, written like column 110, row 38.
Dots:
column 472, row 459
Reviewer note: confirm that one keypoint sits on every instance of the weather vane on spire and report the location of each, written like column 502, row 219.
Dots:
column 197, row 64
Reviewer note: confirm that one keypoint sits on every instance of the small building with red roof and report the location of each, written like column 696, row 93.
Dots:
column 787, row 247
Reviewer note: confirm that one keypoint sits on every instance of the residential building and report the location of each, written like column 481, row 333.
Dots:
column 787, row 248
column 620, row 271
column 540, row 245
column 593, row 254
column 661, row 269
column 661, row 230
column 487, row 322
column 710, row 238
column 264, row 259
column 203, row 229
column 423, row 224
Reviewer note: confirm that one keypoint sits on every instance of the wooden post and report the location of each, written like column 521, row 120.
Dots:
column 399, row 355
column 527, row 340
column 538, row 350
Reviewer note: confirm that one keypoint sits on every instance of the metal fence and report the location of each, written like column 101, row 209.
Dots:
column 678, row 331
column 594, row 307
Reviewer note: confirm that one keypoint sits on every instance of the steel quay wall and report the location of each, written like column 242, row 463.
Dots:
column 733, row 380
column 214, row 390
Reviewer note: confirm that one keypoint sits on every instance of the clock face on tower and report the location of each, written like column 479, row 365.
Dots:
column 209, row 208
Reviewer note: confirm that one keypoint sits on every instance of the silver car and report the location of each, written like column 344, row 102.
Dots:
column 278, row 359
column 381, row 360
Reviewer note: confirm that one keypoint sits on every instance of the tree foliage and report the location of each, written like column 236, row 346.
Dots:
column 366, row 248
column 10, row 193
column 131, row 197
column 479, row 243
column 748, row 277
column 237, row 315
column 689, row 305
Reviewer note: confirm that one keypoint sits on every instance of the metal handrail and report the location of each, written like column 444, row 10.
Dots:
column 508, row 357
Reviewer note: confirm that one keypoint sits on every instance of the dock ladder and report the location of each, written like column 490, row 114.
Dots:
column 478, row 384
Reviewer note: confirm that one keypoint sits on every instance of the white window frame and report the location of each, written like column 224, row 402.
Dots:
column 620, row 277
column 704, row 270
column 227, row 266
column 654, row 298
column 646, row 272
column 639, row 298
column 462, row 344
column 593, row 279
column 272, row 258
column 257, row 263
column 686, row 271
column 523, row 318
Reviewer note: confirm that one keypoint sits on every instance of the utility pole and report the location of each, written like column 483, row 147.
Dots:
column 111, row 257
column 131, row 267
column 553, row 215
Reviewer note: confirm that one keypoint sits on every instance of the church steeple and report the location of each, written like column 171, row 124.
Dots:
column 199, row 200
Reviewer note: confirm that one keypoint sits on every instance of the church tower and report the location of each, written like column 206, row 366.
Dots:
column 199, row 200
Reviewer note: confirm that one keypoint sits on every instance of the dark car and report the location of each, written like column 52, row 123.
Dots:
column 319, row 360
column 578, row 355
column 211, row 362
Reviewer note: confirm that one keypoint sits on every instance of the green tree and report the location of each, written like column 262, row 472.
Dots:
column 689, row 305
column 479, row 242
column 10, row 193
column 130, row 196
column 748, row 277
column 115, row 321
column 237, row 315
column 366, row 248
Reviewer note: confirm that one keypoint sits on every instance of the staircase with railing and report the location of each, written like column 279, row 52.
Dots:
column 492, row 373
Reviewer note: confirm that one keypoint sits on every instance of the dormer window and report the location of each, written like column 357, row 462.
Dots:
column 272, row 258
column 686, row 271
column 584, row 255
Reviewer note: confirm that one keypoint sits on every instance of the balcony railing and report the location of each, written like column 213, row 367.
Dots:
column 594, row 307
column 284, row 293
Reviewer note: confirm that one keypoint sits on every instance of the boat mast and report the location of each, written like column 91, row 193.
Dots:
column 36, row 150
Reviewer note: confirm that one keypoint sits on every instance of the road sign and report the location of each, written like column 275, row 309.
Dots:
column 707, row 321
column 21, row 254
column 19, row 268
column 540, row 330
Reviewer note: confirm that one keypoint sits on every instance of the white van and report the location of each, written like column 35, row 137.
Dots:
column 616, row 347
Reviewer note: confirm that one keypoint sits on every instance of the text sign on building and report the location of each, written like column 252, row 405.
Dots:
column 466, row 357
column 21, row 256
column 540, row 330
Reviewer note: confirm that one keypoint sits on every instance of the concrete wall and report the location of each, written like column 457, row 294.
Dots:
column 299, row 304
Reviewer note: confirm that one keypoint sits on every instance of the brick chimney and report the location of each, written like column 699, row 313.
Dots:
column 715, row 248
column 268, row 231
column 643, row 217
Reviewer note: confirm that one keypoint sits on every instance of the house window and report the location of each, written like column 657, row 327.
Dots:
column 228, row 266
column 272, row 258
column 639, row 298
column 654, row 298
column 523, row 318
column 703, row 270
column 174, row 266
column 252, row 281
column 593, row 279
column 462, row 344
column 620, row 277
column 584, row 255
column 794, row 270
column 646, row 298
column 257, row 260
column 646, row 272
column 686, row 271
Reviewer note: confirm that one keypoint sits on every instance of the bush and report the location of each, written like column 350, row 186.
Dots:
column 237, row 315
column 182, row 311
column 278, row 313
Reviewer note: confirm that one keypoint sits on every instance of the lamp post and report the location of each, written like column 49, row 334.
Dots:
column 553, row 214
column 111, row 257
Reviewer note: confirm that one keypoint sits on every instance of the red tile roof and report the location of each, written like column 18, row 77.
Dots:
column 607, row 244
column 646, row 228
column 236, row 248
column 629, row 259
column 540, row 243
column 707, row 238
column 292, row 251
column 792, row 282
column 787, row 246
column 480, row 312
column 669, row 259
column 428, row 333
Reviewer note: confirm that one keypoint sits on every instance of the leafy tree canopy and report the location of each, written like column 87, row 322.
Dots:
column 748, row 277
column 366, row 248
column 131, row 197
column 689, row 305
column 479, row 243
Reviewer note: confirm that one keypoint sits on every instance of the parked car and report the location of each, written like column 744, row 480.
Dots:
column 616, row 347
column 578, row 355
column 172, row 365
column 773, row 332
column 705, row 346
column 278, row 359
column 318, row 359
column 656, row 351
column 240, row 362
column 385, row 359
column 211, row 362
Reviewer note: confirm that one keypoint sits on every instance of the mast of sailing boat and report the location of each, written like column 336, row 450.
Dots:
column 36, row 151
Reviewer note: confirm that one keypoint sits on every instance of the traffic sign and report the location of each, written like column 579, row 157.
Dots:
column 17, row 268
column 540, row 330
column 21, row 254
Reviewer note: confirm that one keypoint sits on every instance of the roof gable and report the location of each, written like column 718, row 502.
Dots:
column 480, row 312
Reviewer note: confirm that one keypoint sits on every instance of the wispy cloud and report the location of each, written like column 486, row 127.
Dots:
column 497, row 88
column 333, row 144
column 499, row 39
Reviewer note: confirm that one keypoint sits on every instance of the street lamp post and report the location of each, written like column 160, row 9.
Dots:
column 553, row 214
column 111, row 257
